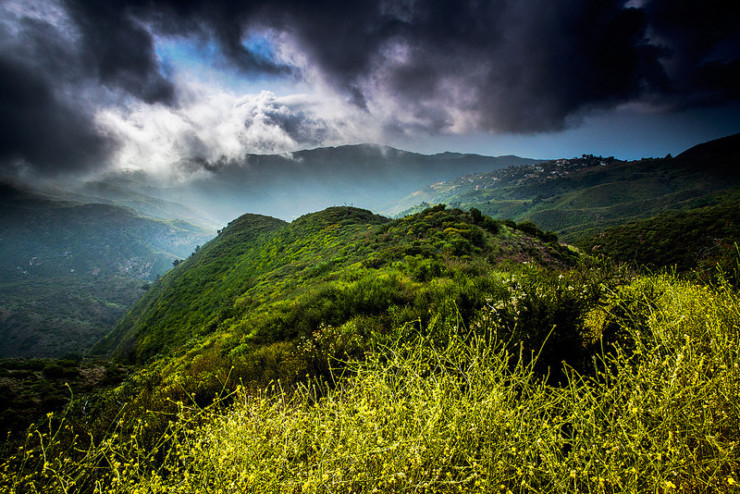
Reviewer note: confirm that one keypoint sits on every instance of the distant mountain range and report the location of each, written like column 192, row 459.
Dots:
column 290, row 185
column 579, row 197
column 130, row 193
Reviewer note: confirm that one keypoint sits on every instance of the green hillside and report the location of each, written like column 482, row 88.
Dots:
column 699, row 238
column 441, row 352
column 263, row 282
column 69, row 271
column 582, row 196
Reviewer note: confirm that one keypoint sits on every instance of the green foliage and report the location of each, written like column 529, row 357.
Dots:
column 697, row 239
column 579, row 197
column 263, row 281
column 543, row 315
column 447, row 408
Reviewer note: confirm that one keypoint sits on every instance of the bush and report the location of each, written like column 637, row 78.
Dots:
column 447, row 410
column 53, row 371
column 492, row 226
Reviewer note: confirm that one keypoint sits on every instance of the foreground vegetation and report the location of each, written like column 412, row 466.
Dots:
column 452, row 408
column 441, row 352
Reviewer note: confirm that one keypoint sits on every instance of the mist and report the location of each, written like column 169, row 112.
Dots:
column 287, row 186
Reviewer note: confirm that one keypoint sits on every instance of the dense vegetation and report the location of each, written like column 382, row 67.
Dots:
column 696, row 239
column 55, row 316
column 250, row 298
column 580, row 197
column 69, row 271
column 447, row 407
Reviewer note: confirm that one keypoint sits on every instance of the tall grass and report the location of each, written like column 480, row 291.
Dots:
column 658, row 413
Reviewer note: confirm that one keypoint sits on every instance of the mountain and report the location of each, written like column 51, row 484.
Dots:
column 579, row 197
column 69, row 270
column 250, row 297
column 125, row 194
column 290, row 185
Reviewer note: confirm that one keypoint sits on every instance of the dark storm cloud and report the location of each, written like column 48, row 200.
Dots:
column 519, row 66
column 122, row 48
column 40, row 131
column 505, row 65
column 703, row 39
column 119, row 51
column 40, row 128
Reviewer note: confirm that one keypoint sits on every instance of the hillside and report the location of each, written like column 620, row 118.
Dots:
column 262, row 285
column 579, row 197
column 699, row 239
column 441, row 352
column 69, row 271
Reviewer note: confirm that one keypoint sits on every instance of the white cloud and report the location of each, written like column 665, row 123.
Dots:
column 211, row 124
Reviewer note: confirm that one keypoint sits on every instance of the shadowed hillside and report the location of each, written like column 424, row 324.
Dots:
column 699, row 239
column 69, row 271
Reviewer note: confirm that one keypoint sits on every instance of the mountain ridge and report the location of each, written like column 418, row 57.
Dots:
column 292, row 184
column 577, row 197
column 259, row 280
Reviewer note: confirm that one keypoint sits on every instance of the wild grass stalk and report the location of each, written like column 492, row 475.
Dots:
column 660, row 414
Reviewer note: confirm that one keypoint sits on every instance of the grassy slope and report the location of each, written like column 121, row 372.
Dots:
column 249, row 298
column 694, row 238
column 187, row 300
column 591, row 198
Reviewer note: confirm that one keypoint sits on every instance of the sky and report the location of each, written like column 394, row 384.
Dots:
column 87, row 87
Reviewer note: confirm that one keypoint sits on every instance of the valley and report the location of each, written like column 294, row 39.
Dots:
column 70, row 270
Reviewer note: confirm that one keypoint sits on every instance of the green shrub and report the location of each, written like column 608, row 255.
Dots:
column 449, row 409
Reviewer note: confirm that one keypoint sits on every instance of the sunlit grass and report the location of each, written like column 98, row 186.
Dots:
column 659, row 413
